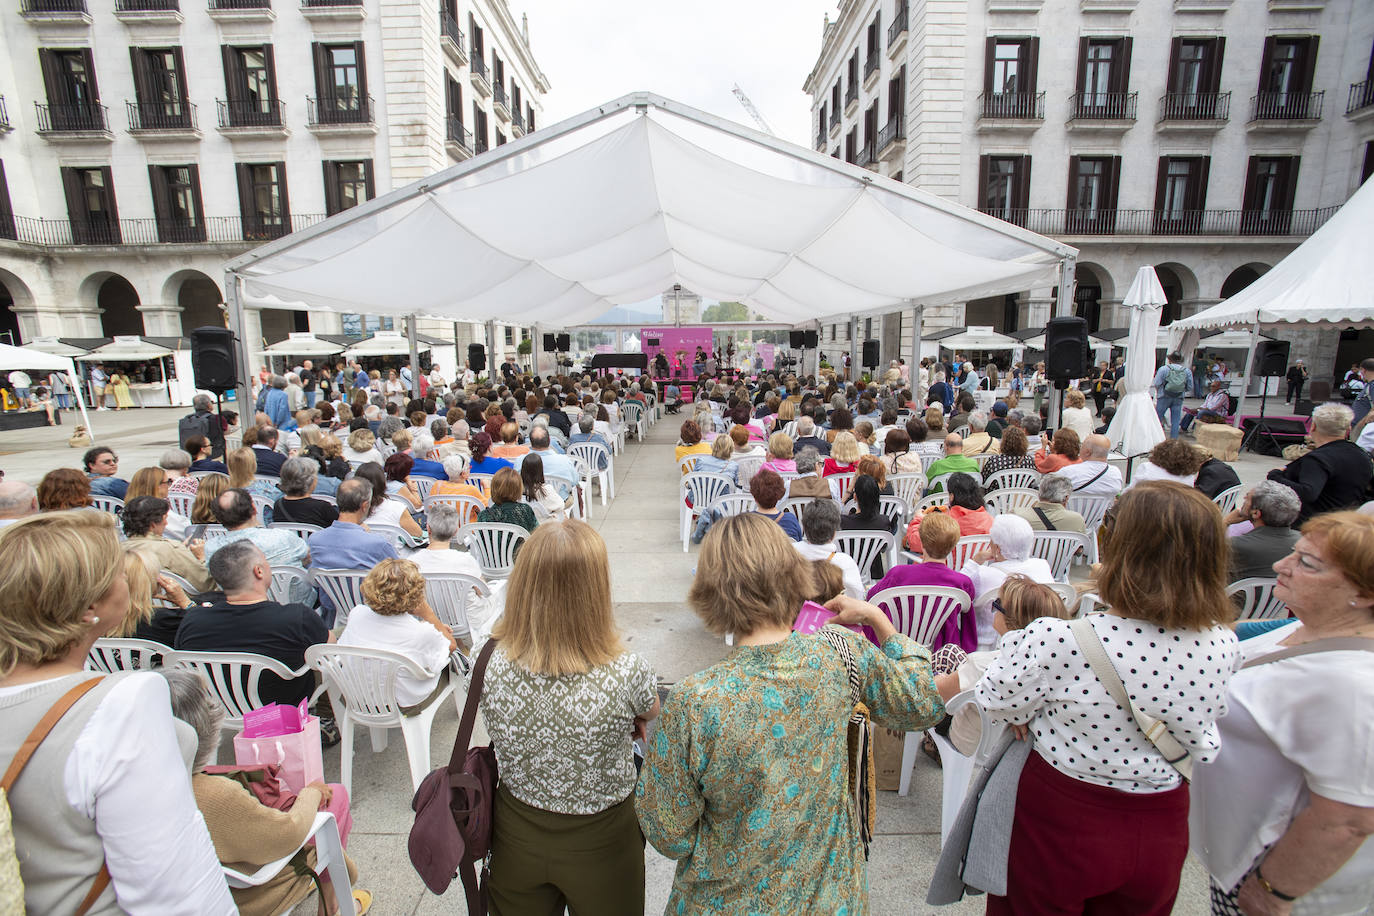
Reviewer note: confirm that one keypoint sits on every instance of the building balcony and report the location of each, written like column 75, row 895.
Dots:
column 892, row 139
column 252, row 119
column 326, row 115
column 55, row 12
column 5, row 126
column 517, row 125
column 241, row 10
column 500, row 104
column 451, row 37
column 1010, row 111
column 215, row 230
column 458, row 140
column 851, row 97
column 1285, row 111
column 480, row 81
column 821, row 137
column 868, row 156
column 333, row 10
column 479, row 144
column 835, row 121
column 76, row 123
column 896, row 32
column 132, row 12
column 1360, row 104
column 1102, row 110
column 162, row 120
column 1224, row 223
column 1193, row 111
column 870, row 68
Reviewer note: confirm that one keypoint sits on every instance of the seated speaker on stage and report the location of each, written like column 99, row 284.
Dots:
column 1216, row 405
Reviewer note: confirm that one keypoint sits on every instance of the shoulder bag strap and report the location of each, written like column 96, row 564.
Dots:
column 1155, row 730
column 1091, row 480
column 1049, row 525
column 26, row 750
column 464, row 738
column 1334, row 644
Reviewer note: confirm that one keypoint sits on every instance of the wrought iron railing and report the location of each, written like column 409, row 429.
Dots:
column 852, row 93
column 4, row 115
column 154, row 231
column 1361, row 96
column 835, row 118
column 147, row 6
column 53, row 6
column 459, row 134
column 448, row 28
column 1286, row 106
column 240, row 4
column 867, row 155
column 60, row 118
column 250, row 112
column 893, row 130
column 1026, row 106
column 1058, row 222
column 499, row 96
column 1107, row 106
column 1195, row 106
column 898, row 26
column 315, row 4
column 161, row 115
column 870, row 64
column 327, row 110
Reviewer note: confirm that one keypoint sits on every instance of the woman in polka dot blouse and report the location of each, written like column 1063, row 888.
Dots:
column 1101, row 820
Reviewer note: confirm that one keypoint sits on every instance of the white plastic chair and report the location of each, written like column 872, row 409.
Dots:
column 186, row 587
column 687, row 465
column 866, row 546
column 1257, row 601
column 261, row 505
column 271, row 479
column 1006, row 499
column 1018, row 478
column 840, row 485
column 920, row 611
column 632, row 415
column 480, row 481
column 1229, row 499
column 234, row 678
column 956, row 769
column 796, row 505
column 748, row 467
column 594, row 454
column 1067, row 593
column 908, row 485
column 112, row 654
column 211, row 532
column 1058, row 548
column 735, row 503
column 344, row 587
column 423, row 485
column 703, row 488
column 1093, row 509
column 201, row 475
column 493, row 546
column 362, row 689
column 329, row 859
column 283, row 579
column 934, row 499
column 451, row 594
column 301, row 530
column 466, row 505
column 966, row 547
column 939, row 480
column 181, row 503
column 894, row 507
column 962, row 432
column 111, row 504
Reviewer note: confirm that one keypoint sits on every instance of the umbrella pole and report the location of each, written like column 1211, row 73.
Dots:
column 81, row 404
column 414, row 357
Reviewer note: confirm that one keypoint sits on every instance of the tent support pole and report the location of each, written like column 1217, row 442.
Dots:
column 491, row 350
column 854, row 370
column 414, row 357
column 1249, row 370
column 1063, row 304
column 918, row 320
column 233, row 298
column 75, row 383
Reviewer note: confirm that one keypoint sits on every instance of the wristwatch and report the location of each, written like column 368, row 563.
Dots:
column 1270, row 889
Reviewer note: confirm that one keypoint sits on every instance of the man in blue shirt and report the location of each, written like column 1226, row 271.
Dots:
column 101, row 465
column 1172, row 382
column 277, row 405
column 559, row 470
column 360, row 377
column 584, row 433
column 346, row 544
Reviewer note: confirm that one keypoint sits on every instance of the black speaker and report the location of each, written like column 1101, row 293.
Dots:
column 870, row 354
column 213, row 361
column 565, row 342
column 477, row 357
column 550, row 343
column 1269, row 435
column 796, row 339
column 1303, row 407
column 1271, row 359
column 1066, row 348
column 812, row 340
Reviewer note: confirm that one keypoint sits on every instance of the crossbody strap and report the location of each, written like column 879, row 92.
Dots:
column 1334, row 644
column 1049, row 525
column 1155, row 730
column 841, row 645
column 1093, row 479
column 464, row 738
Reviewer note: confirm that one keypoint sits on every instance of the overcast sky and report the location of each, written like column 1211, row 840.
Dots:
column 596, row 50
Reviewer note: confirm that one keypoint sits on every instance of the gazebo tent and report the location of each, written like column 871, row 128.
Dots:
column 12, row 358
column 618, row 204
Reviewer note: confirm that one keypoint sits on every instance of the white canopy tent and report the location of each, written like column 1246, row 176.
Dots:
column 977, row 338
column 55, row 347
column 620, row 203
column 12, row 358
column 1135, row 427
column 302, row 343
column 125, row 349
column 382, row 344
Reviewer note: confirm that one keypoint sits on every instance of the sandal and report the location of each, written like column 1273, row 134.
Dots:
column 363, row 901
column 930, row 750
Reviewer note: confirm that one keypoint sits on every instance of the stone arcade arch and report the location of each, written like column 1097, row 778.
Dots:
column 1242, row 277
column 198, row 297
column 1179, row 285
column 13, row 292
column 117, row 301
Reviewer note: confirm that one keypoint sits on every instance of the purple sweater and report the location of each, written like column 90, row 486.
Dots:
column 962, row 629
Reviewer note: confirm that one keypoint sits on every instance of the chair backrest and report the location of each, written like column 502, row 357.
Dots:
column 364, row 678
column 212, row 532
column 260, row 504
column 934, row 499
column 325, row 498
column 1256, row 599
column 1068, row 594
column 921, row 611
column 795, row 505
column 894, row 507
column 866, row 546
column 1229, row 499
column 395, row 533
column 1092, row 508
column 939, row 480
column 1026, row 478
column 480, row 481
column 466, row 505
column 908, row 485
column 748, row 467
column 1006, row 499
column 451, row 594
column 966, row 547
column 271, row 479
column 981, row 458
column 423, row 485
column 688, row 463
column 111, row 655
column 186, row 587
column 493, row 545
column 734, row 503
column 594, row 454
column 283, row 578
column 841, row 484
column 235, row 678
column 301, row 530
column 705, row 487
column 633, row 411
column 344, row 588
column 1058, row 549
column 181, row 503
column 201, row 475
column 107, row 503
column 962, row 432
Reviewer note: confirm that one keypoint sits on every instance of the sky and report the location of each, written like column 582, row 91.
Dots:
column 597, row 50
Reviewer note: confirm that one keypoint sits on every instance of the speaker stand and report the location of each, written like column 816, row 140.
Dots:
column 1260, row 428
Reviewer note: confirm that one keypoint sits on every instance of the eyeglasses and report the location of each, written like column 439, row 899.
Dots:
column 997, row 606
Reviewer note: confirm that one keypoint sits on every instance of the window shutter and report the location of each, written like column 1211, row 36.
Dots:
column 362, row 72
column 331, row 188
column 285, row 198
column 1121, row 66
column 1309, row 61
column 1198, row 187
column 1031, row 49
column 1023, row 177
column 247, row 211
column 1175, row 55
column 95, row 90
column 984, row 164
column 76, row 204
column 1072, row 199
column 1214, row 64
column 143, row 81
column 53, row 83
column 269, row 61
column 319, row 55
column 1161, row 176
column 1289, row 174
column 234, row 79
column 1266, row 62
column 1113, row 182
column 1250, row 200
column 162, row 201
column 6, row 209
column 194, row 174
column 367, row 179
column 989, row 58
column 1082, row 64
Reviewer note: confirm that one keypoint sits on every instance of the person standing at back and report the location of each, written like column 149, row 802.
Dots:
column 1172, row 382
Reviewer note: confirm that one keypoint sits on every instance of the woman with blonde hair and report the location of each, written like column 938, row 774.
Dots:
column 202, row 510
column 156, row 482
column 243, row 469
column 103, row 806
column 1075, row 415
column 565, row 832
column 780, row 454
column 844, row 455
column 935, row 422
column 872, row 466
column 362, row 447
column 395, row 617
column 750, row 761
column 146, row 620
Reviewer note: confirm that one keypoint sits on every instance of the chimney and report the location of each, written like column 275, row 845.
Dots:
column 525, row 27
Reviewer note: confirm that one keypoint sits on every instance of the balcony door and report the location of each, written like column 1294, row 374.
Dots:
column 1270, row 184
column 91, row 205
column 250, row 80
column 346, row 184
column 1009, row 77
column 340, row 83
column 1004, row 187
column 1104, row 68
column 73, row 97
column 1180, row 194
column 263, row 202
column 1093, row 184
column 160, row 85
column 1194, row 78
column 176, row 201
column 1286, row 77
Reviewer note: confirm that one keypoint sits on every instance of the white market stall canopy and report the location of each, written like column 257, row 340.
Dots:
column 125, row 349
column 1325, row 281
column 55, row 347
column 620, row 203
column 25, row 358
column 1038, row 342
column 383, row 344
column 979, row 338
column 300, row 343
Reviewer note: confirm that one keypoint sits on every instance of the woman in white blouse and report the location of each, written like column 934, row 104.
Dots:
column 541, row 496
column 1101, row 821
column 1281, row 818
column 1075, row 415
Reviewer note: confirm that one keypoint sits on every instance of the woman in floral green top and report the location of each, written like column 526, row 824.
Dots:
column 745, row 783
column 506, row 490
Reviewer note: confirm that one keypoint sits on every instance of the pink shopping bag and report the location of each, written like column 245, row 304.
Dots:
column 813, row 616
column 299, row 754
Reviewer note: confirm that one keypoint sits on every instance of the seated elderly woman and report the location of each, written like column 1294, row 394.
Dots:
column 145, row 521
column 1014, row 447
column 362, row 446
column 744, row 445
column 720, row 460
column 299, row 476
column 689, row 442
column 809, row 483
column 328, row 454
column 394, row 616
column 768, row 489
column 438, row 557
column 1051, row 512
column 1062, row 451
column 157, row 482
column 938, row 534
column 966, row 507
column 935, row 423
column 1173, row 459
column 1010, row 553
column 820, row 524
column 247, row 834
column 63, row 488
column 898, row 457
column 506, row 506
column 456, row 468
column 780, row 454
column 844, row 454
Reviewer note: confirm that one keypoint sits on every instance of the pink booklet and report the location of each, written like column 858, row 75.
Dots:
column 813, row 616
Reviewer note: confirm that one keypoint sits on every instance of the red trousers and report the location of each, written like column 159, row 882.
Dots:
column 1078, row 848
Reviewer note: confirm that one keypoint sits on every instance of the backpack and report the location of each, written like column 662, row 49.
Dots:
column 1176, row 383
column 192, row 425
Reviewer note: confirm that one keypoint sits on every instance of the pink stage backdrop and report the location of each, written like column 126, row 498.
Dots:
column 768, row 352
column 671, row 341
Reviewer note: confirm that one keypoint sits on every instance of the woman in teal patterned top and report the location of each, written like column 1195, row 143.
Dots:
column 506, row 490
column 745, row 782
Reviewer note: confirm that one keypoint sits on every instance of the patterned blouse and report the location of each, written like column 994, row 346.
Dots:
column 745, row 781
column 510, row 513
column 563, row 743
column 1004, row 463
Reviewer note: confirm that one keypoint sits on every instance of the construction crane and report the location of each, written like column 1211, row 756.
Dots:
column 753, row 112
